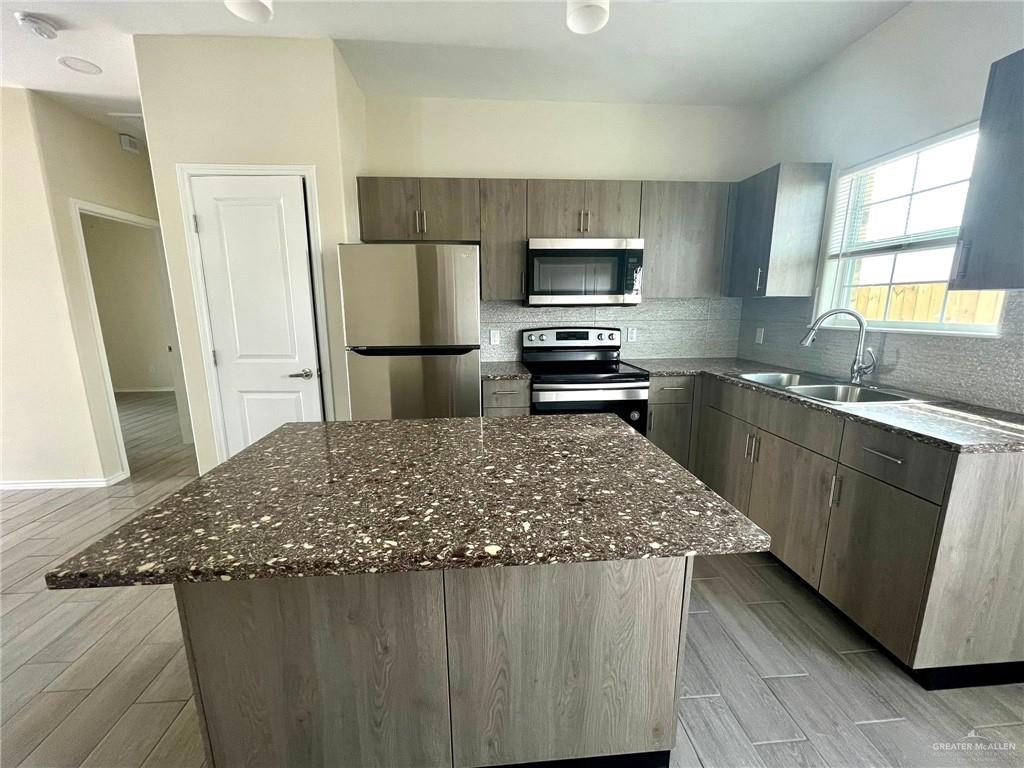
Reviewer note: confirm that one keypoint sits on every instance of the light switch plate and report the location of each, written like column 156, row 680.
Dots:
column 759, row 336
column 495, row 337
column 631, row 334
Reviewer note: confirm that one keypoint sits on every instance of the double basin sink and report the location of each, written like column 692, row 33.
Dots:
column 825, row 390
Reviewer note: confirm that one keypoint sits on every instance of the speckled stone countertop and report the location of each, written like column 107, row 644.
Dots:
column 504, row 371
column 382, row 496
column 951, row 425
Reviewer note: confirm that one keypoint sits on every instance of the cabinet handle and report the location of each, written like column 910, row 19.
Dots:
column 505, row 392
column 424, row 222
column 587, row 229
column 522, row 282
column 835, row 491
column 650, row 421
column 746, row 446
column 757, row 282
column 672, row 389
column 755, row 453
column 580, row 227
column 886, row 456
column 417, row 216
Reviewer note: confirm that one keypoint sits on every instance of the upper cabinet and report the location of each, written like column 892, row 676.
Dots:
column 683, row 224
column 399, row 209
column 775, row 230
column 574, row 208
column 502, row 238
column 990, row 253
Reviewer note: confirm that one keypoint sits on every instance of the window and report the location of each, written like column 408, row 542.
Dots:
column 893, row 237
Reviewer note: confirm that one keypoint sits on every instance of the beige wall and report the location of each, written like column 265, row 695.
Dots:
column 547, row 139
column 75, row 159
column 128, row 273
column 262, row 101
column 45, row 427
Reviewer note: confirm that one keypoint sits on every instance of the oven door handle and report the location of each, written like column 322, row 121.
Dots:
column 589, row 396
column 582, row 387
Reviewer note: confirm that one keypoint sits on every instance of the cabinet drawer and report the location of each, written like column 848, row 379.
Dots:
column 504, row 412
column 506, row 394
column 671, row 389
column 817, row 430
column 901, row 461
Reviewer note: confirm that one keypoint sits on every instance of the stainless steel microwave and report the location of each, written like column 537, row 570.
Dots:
column 562, row 271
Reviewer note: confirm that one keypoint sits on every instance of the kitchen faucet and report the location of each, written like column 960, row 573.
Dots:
column 859, row 367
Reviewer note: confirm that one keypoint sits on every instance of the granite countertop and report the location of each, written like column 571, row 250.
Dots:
column 382, row 496
column 503, row 371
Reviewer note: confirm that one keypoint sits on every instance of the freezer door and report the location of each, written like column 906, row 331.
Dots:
column 409, row 384
column 410, row 295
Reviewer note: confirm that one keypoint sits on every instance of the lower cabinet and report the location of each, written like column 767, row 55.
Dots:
column 723, row 461
column 789, row 498
column 668, row 427
column 498, row 412
column 876, row 557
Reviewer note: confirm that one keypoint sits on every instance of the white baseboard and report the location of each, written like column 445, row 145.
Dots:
column 143, row 389
column 84, row 482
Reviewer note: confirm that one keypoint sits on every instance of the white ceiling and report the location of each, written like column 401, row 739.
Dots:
column 725, row 53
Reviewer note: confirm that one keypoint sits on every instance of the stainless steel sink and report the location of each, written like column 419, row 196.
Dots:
column 782, row 380
column 846, row 393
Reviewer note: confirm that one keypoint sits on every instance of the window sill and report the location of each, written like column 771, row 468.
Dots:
column 915, row 331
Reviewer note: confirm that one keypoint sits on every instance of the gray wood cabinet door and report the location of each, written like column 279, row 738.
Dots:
column 502, row 238
column 450, row 209
column 789, row 497
column 668, row 427
column 388, row 208
column 683, row 224
column 990, row 253
column 753, row 219
column 876, row 559
column 612, row 209
column 555, row 207
column 723, row 460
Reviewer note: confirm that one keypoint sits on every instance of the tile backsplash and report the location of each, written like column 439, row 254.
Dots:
column 981, row 370
column 665, row 327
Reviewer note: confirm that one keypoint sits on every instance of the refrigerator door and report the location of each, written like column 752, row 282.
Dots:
column 410, row 295
column 404, row 383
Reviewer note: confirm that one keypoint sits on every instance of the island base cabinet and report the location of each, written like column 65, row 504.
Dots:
column 320, row 670
column 876, row 557
column 564, row 661
column 668, row 427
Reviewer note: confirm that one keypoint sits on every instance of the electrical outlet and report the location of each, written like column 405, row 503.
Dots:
column 495, row 337
column 759, row 336
column 631, row 334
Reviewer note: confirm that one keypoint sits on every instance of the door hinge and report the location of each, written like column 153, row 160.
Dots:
column 195, row 223
column 214, row 352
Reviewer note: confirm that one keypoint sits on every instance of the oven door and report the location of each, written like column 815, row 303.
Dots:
column 583, row 272
column 628, row 400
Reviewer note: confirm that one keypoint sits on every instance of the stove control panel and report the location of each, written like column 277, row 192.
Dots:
column 571, row 337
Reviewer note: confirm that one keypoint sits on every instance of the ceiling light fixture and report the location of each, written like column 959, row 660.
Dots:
column 82, row 66
column 584, row 17
column 256, row 11
column 37, row 25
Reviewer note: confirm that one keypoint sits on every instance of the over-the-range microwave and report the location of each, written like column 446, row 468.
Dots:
column 578, row 271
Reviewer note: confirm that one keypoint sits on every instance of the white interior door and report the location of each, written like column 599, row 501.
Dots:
column 254, row 244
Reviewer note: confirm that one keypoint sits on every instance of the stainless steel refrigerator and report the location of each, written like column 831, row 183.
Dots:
column 412, row 330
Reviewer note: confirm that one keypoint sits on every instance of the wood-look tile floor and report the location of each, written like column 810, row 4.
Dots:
column 772, row 675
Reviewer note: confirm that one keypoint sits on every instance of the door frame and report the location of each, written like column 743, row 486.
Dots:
column 188, row 171
column 78, row 207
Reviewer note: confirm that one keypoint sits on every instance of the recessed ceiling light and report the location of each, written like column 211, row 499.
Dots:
column 256, row 11
column 79, row 65
column 37, row 25
column 586, row 16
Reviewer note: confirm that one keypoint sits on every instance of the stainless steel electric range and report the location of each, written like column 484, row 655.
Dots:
column 578, row 370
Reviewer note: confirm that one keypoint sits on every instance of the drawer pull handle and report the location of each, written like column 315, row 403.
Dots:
column 746, row 446
column 673, row 388
column 886, row 456
column 506, row 392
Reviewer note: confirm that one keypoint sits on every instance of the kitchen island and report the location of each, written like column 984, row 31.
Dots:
column 445, row 592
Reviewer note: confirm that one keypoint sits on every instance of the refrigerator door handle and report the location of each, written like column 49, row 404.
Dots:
column 412, row 351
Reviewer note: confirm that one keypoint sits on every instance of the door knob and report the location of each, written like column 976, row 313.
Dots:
column 305, row 373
